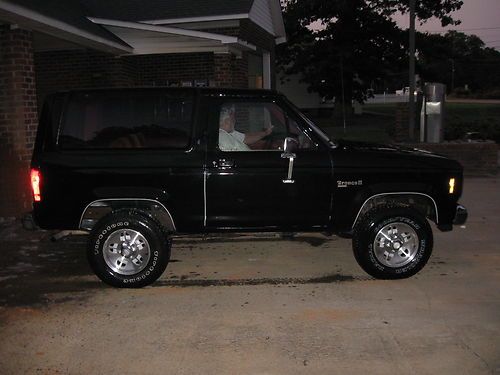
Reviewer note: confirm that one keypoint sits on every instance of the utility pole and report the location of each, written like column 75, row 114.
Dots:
column 411, row 109
column 452, row 74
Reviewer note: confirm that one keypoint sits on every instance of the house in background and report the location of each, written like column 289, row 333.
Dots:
column 298, row 93
column 53, row 45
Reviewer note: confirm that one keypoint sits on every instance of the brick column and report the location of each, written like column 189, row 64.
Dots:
column 401, row 123
column 222, row 70
column 230, row 71
column 18, row 119
column 240, row 71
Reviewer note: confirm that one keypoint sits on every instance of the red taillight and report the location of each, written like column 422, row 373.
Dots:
column 35, row 184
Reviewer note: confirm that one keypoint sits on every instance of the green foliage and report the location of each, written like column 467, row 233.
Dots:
column 462, row 118
column 457, row 60
column 377, row 122
column 489, row 93
column 488, row 128
column 349, row 43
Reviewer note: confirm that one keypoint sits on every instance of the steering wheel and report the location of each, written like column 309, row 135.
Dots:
column 272, row 139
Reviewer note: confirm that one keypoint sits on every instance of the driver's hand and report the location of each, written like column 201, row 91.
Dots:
column 268, row 130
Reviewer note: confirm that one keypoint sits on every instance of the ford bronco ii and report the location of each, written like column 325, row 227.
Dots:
column 136, row 167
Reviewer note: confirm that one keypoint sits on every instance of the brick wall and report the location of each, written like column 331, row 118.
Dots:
column 401, row 123
column 239, row 67
column 477, row 158
column 66, row 70
column 159, row 70
column 222, row 69
column 73, row 69
column 230, row 70
column 18, row 119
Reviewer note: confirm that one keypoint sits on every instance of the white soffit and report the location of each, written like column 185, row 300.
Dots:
column 170, row 21
column 149, row 39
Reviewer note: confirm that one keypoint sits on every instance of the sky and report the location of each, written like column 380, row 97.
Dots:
column 479, row 17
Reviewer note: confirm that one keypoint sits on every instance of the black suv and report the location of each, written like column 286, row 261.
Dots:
column 135, row 167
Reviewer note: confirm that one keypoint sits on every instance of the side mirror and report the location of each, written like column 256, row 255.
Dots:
column 290, row 146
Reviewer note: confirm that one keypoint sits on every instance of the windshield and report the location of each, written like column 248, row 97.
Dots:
column 314, row 127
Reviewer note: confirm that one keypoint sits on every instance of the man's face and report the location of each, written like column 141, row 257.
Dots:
column 228, row 123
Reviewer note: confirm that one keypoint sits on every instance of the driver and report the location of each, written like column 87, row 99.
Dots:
column 233, row 140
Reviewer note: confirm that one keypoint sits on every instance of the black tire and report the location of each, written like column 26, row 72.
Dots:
column 392, row 242
column 121, row 261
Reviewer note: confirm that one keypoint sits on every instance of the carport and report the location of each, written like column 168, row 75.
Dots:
column 50, row 46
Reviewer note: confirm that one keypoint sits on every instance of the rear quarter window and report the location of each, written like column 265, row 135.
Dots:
column 125, row 120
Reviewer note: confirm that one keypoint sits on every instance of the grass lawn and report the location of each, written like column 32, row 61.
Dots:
column 377, row 120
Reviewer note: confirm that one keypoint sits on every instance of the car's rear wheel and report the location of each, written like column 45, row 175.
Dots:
column 392, row 242
column 128, row 249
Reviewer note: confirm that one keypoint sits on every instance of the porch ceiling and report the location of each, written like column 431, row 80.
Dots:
column 150, row 39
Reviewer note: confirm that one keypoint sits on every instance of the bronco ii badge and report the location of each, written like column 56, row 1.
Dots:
column 344, row 184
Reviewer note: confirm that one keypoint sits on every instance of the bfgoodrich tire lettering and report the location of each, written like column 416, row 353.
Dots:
column 392, row 242
column 128, row 249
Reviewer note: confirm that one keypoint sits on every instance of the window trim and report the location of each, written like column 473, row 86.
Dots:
column 187, row 94
column 287, row 112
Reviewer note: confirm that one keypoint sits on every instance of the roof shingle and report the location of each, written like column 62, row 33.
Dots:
column 145, row 10
column 72, row 12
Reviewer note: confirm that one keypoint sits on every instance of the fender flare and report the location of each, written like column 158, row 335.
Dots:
column 170, row 224
column 397, row 193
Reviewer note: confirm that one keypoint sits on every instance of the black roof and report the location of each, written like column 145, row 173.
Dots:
column 218, row 91
column 144, row 10
column 75, row 12
column 72, row 12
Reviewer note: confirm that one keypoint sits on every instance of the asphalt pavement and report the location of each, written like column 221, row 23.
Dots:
column 257, row 304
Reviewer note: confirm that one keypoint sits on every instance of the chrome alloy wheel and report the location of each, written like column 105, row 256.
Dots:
column 396, row 245
column 126, row 251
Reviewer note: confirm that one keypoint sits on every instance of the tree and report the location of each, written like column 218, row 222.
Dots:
column 340, row 46
column 457, row 59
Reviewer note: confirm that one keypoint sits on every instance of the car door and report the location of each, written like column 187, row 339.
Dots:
column 255, row 185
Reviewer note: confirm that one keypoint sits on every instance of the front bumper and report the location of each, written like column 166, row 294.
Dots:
column 460, row 215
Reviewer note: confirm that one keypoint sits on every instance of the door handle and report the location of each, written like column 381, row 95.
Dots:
column 289, row 179
column 223, row 164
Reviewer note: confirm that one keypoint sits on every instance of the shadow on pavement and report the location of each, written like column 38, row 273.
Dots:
column 182, row 283
column 36, row 271
column 32, row 267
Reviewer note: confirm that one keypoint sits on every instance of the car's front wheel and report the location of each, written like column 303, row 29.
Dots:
column 392, row 242
column 128, row 249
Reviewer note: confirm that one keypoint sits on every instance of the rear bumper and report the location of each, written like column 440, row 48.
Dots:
column 28, row 222
column 460, row 215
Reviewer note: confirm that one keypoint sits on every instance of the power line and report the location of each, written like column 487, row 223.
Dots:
column 482, row 28
column 474, row 29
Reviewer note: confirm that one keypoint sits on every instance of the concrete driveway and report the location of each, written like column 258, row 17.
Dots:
column 257, row 305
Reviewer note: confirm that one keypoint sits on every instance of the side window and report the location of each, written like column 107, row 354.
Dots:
column 118, row 120
column 257, row 127
column 305, row 143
